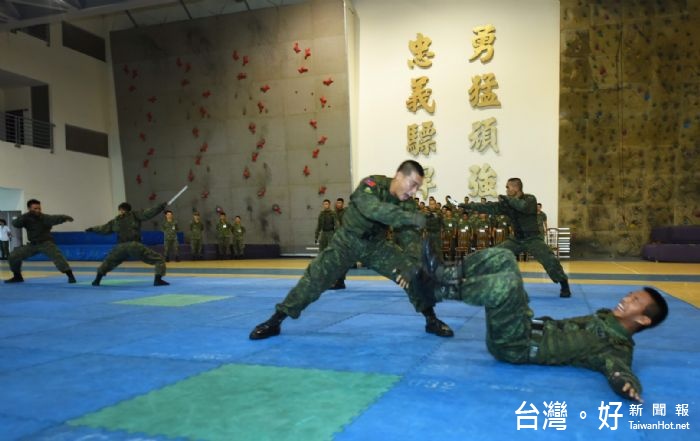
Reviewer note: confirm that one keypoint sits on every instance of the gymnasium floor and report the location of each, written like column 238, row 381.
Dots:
column 129, row 361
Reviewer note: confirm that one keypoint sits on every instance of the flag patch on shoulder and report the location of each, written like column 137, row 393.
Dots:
column 370, row 182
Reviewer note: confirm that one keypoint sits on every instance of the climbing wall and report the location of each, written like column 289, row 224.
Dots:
column 250, row 110
column 629, row 137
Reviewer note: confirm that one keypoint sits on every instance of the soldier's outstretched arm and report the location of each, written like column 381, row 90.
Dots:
column 152, row 212
column 617, row 369
column 388, row 214
column 55, row 219
column 527, row 204
column 18, row 222
column 101, row 229
column 479, row 207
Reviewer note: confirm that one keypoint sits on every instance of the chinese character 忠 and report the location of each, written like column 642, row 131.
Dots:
column 420, row 48
column 483, row 135
column 483, row 42
column 420, row 96
column 481, row 93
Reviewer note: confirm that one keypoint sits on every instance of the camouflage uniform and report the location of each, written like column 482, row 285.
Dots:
column 128, row 229
column 597, row 341
column 196, row 232
column 522, row 212
column 362, row 238
column 541, row 219
column 434, row 227
column 449, row 228
column 40, row 241
column 238, row 231
column 170, row 230
column 325, row 227
column 224, row 238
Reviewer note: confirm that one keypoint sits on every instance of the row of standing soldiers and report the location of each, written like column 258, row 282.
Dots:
column 229, row 237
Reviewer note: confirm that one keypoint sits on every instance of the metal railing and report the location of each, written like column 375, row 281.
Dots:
column 26, row 131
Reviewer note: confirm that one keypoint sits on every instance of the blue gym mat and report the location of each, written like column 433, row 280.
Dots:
column 128, row 361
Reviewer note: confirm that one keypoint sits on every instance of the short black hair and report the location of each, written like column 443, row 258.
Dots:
column 167, row 211
column 125, row 206
column 2, row 221
column 340, row 200
column 409, row 166
column 237, row 217
column 326, row 200
column 518, row 182
column 657, row 311
column 222, row 212
column 31, row 202
column 539, row 204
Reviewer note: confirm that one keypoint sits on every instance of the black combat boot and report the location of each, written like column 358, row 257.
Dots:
column 268, row 328
column 16, row 277
column 71, row 277
column 158, row 281
column 565, row 291
column 98, row 279
column 434, row 325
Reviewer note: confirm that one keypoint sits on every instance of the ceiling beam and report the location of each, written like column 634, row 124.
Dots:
column 85, row 12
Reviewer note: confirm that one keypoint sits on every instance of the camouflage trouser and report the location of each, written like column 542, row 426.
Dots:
column 238, row 246
column 196, row 247
column 324, row 239
column 137, row 250
column 223, row 246
column 492, row 279
column 543, row 254
column 25, row 252
column 345, row 249
column 171, row 245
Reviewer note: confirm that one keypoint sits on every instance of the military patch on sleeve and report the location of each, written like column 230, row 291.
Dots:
column 370, row 182
column 370, row 185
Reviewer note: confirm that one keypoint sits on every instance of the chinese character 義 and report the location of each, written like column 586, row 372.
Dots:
column 420, row 141
column 484, row 135
column 521, row 418
column 483, row 42
column 482, row 181
column 481, row 93
column 420, row 96
column 605, row 414
column 420, row 48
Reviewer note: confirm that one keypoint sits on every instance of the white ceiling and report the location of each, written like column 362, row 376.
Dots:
column 135, row 13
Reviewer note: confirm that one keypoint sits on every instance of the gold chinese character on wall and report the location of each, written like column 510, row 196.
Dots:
column 428, row 184
column 482, row 181
column 420, row 96
column 482, row 42
column 420, row 48
column 484, row 135
column 481, row 93
column 420, row 139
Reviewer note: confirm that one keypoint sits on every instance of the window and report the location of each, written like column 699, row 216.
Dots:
column 86, row 141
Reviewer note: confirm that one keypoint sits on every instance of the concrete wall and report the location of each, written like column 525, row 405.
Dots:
column 190, row 93
column 629, row 121
column 66, row 182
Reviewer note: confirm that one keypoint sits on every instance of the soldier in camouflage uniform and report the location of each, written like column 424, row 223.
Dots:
column 224, row 237
column 339, row 212
column 433, row 226
column 127, row 225
column 379, row 202
column 521, row 208
column 38, row 226
column 238, row 232
column 541, row 220
column 600, row 341
column 325, row 226
column 449, row 231
column 170, row 243
column 196, row 232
